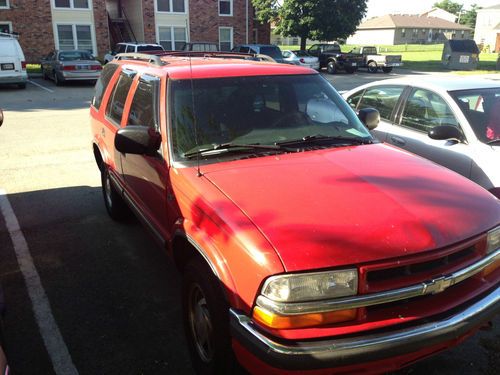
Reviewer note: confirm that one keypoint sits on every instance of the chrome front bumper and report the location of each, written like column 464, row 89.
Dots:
column 362, row 349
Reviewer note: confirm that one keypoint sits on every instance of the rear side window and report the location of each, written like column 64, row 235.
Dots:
column 144, row 108
column 274, row 52
column 382, row 98
column 102, row 84
column 117, row 103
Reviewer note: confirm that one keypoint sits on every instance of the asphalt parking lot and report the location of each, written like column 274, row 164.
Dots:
column 100, row 297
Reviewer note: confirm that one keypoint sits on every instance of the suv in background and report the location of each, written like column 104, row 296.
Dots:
column 12, row 61
column 270, row 50
column 296, row 254
column 200, row 47
column 131, row 48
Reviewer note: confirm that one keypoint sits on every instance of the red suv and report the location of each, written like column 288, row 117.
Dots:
column 305, row 245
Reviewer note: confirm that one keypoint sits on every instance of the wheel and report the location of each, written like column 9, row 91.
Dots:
column 58, row 81
column 387, row 69
column 44, row 74
column 331, row 67
column 206, row 321
column 113, row 202
column 372, row 67
column 21, row 85
column 350, row 70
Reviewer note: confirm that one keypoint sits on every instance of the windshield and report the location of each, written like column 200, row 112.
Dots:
column 75, row 55
column 149, row 48
column 274, row 52
column 263, row 110
column 481, row 107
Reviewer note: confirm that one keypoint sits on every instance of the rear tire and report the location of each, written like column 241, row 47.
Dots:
column 44, row 74
column 331, row 68
column 58, row 81
column 206, row 321
column 116, row 207
column 372, row 67
column 387, row 69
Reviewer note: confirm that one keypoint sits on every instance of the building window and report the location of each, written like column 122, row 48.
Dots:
column 5, row 27
column 75, row 37
column 225, row 7
column 172, row 37
column 463, row 34
column 225, row 38
column 403, row 33
column 171, row 6
column 75, row 4
column 4, row 4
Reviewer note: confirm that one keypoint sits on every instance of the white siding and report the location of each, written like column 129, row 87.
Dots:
column 486, row 22
column 371, row 37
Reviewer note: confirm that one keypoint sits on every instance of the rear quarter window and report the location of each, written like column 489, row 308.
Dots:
column 102, row 84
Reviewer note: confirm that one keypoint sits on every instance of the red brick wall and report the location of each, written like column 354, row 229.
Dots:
column 33, row 21
column 148, row 11
column 204, row 21
column 101, row 27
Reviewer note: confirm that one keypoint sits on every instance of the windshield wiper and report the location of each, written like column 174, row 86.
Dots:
column 218, row 149
column 493, row 141
column 318, row 138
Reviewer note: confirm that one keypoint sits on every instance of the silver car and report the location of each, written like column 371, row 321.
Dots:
column 301, row 58
column 62, row 66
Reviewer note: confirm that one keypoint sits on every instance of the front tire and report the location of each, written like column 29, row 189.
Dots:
column 206, row 321
column 331, row 68
column 372, row 67
column 116, row 207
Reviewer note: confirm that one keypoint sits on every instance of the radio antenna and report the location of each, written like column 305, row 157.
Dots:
column 195, row 125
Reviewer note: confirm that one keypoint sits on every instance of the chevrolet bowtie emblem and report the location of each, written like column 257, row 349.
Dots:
column 437, row 285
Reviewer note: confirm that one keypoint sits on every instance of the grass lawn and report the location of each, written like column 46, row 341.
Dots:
column 426, row 58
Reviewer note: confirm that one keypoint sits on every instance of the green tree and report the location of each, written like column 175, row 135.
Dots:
column 312, row 19
column 449, row 6
column 468, row 17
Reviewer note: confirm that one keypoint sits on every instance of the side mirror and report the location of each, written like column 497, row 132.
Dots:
column 446, row 132
column 370, row 117
column 139, row 140
column 1, row 117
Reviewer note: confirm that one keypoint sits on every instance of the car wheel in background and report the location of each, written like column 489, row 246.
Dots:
column 113, row 202
column 21, row 85
column 206, row 320
column 44, row 74
column 372, row 67
column 331, row 68
column 57, row 80
column 387, row 69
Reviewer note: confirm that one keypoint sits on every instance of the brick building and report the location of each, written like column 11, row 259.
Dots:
column 96, row 25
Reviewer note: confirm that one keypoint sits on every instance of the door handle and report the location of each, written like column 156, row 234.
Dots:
column 398, row 141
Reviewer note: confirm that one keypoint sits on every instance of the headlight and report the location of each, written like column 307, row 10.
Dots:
column 311, row 286
column 493, row 240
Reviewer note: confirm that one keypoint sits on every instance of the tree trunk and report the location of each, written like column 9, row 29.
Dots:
column 303, row 41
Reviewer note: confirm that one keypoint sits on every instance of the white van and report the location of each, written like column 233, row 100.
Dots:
column 12, row 61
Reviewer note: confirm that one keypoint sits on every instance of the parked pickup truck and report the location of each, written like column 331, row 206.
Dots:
column 331, row 57
column 373, row 61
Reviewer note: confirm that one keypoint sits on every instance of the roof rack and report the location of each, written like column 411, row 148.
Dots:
column 150, row 58
column 217, row 54
column 9, row 35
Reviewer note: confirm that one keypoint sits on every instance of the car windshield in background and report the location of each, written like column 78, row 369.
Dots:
column 75, row 55
column 274, row 52
column 149, row 48
column 290, row 111
column 481, row 107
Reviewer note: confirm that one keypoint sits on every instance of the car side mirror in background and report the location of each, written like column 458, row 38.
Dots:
column 1, row 117
column 370, row 117
column 139, row 140
column 446, row 132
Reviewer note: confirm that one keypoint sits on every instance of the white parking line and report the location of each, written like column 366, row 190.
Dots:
column 38, row 85
column 54, row 343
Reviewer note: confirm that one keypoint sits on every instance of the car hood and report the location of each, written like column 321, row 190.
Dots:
column 353, row 205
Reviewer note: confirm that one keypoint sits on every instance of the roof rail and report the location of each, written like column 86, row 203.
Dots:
column 150, row 58
column 217, row 54
column 10, row 35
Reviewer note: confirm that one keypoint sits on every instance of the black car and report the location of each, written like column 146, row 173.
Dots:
column 331, row 57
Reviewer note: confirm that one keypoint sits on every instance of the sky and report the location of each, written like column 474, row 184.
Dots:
column 381, row 7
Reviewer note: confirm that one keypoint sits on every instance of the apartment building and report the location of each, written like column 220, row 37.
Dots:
column 97, row 25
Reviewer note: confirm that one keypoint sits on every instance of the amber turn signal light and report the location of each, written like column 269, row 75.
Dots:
column 276, row 321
